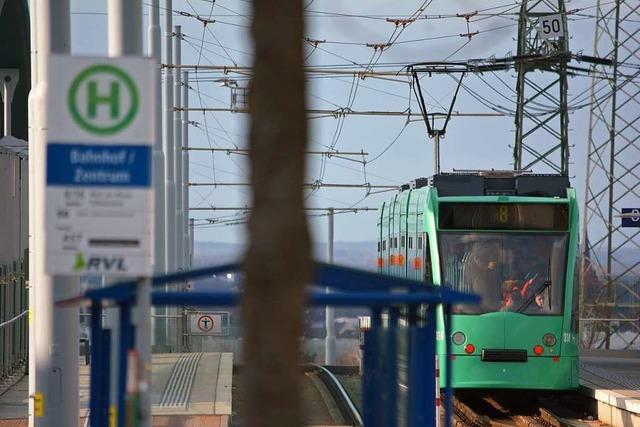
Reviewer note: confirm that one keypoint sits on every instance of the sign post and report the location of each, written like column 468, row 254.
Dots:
column 53, row 374
column 98, row 178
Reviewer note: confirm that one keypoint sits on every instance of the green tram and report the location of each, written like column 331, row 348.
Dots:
column 510, row 238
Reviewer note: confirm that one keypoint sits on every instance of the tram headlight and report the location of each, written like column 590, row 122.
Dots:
column 549, row 340
column 458, row 338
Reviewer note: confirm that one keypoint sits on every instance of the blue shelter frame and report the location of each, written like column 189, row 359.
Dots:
column 395, row 297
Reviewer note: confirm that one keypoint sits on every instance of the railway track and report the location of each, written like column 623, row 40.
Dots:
column 521, row 408
column 325, row 401
column 338, row 395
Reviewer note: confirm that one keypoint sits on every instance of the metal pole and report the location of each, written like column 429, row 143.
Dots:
column 191, row 240
column 185, row 172
column 125, row 38
column 115, row 28
column 175, row 326
column 330, row 339
column 168, row 145
column 6, row 96
column 177, row 141
column 55, row 329
column 31, row 212
column 143, row 345
column 153, row 50
column 436, row 152
column 125, row 28
column 169, row 151
column 612, row 163
column 9, row 81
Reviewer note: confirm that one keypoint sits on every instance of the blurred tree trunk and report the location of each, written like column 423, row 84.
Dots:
column 277, row 262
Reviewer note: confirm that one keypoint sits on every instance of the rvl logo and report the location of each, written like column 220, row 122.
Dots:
column 106, row 264
column 97, row 263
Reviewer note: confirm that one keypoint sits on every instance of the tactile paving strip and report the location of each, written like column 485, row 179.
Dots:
column 178, row 389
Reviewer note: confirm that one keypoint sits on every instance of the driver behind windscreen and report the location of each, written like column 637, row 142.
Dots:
column 532, row 267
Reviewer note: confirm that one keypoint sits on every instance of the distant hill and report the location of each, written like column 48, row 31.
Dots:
column 211, row 253
column 623, row 259
column 353, row 254
column 360, row 254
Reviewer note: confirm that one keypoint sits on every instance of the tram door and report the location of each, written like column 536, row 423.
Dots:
column 419, row 260
column 427, row 274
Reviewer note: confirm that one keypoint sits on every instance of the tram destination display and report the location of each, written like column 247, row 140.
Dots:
column 504, row 216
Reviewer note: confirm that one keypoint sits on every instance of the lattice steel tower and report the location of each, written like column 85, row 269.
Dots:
column 541, row 121
column 611, row 268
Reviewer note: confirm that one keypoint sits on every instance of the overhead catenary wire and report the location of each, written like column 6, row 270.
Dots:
column 330, row 153
column 310, row 185
column 346, row 112
column 248, row 208
column 482, row 13
column 199, row 94
column 242, row 217
column 225, row 11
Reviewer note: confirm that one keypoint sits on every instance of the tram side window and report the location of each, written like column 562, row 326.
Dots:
column 384, row 245
column 410, row 242
column 395, row 243
column 428, row 277
column 402, row 241
column 419, row 242
column 379, row 247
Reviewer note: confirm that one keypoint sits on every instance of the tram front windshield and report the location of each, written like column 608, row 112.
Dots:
column 517, row 272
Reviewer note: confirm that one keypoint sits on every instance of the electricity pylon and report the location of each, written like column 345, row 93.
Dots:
column 611, row 265
column 541, row 121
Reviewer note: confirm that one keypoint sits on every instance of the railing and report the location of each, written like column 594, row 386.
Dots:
column 13, row 320
column 383, row 296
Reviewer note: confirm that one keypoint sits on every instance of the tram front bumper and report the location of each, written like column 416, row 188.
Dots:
column 538, row 372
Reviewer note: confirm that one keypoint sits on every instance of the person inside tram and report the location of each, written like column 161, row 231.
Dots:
column 512, row 301
column 539, row 300
column 483, row 271
column 540, row 303
column 529, row 267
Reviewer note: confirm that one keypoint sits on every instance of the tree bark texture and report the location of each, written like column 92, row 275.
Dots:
column 277, row 262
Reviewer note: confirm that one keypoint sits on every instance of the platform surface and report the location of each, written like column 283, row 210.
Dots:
column 612, row 377
column 192, row 385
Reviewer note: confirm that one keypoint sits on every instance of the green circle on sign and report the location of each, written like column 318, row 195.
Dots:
column 127, row 117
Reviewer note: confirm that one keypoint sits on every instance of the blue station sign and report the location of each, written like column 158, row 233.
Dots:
column 631, row 218
column 99, row 165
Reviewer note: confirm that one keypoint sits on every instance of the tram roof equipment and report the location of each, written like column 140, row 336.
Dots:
column 494, row 183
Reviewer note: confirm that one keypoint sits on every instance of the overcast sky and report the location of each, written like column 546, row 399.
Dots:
column 470, row 143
